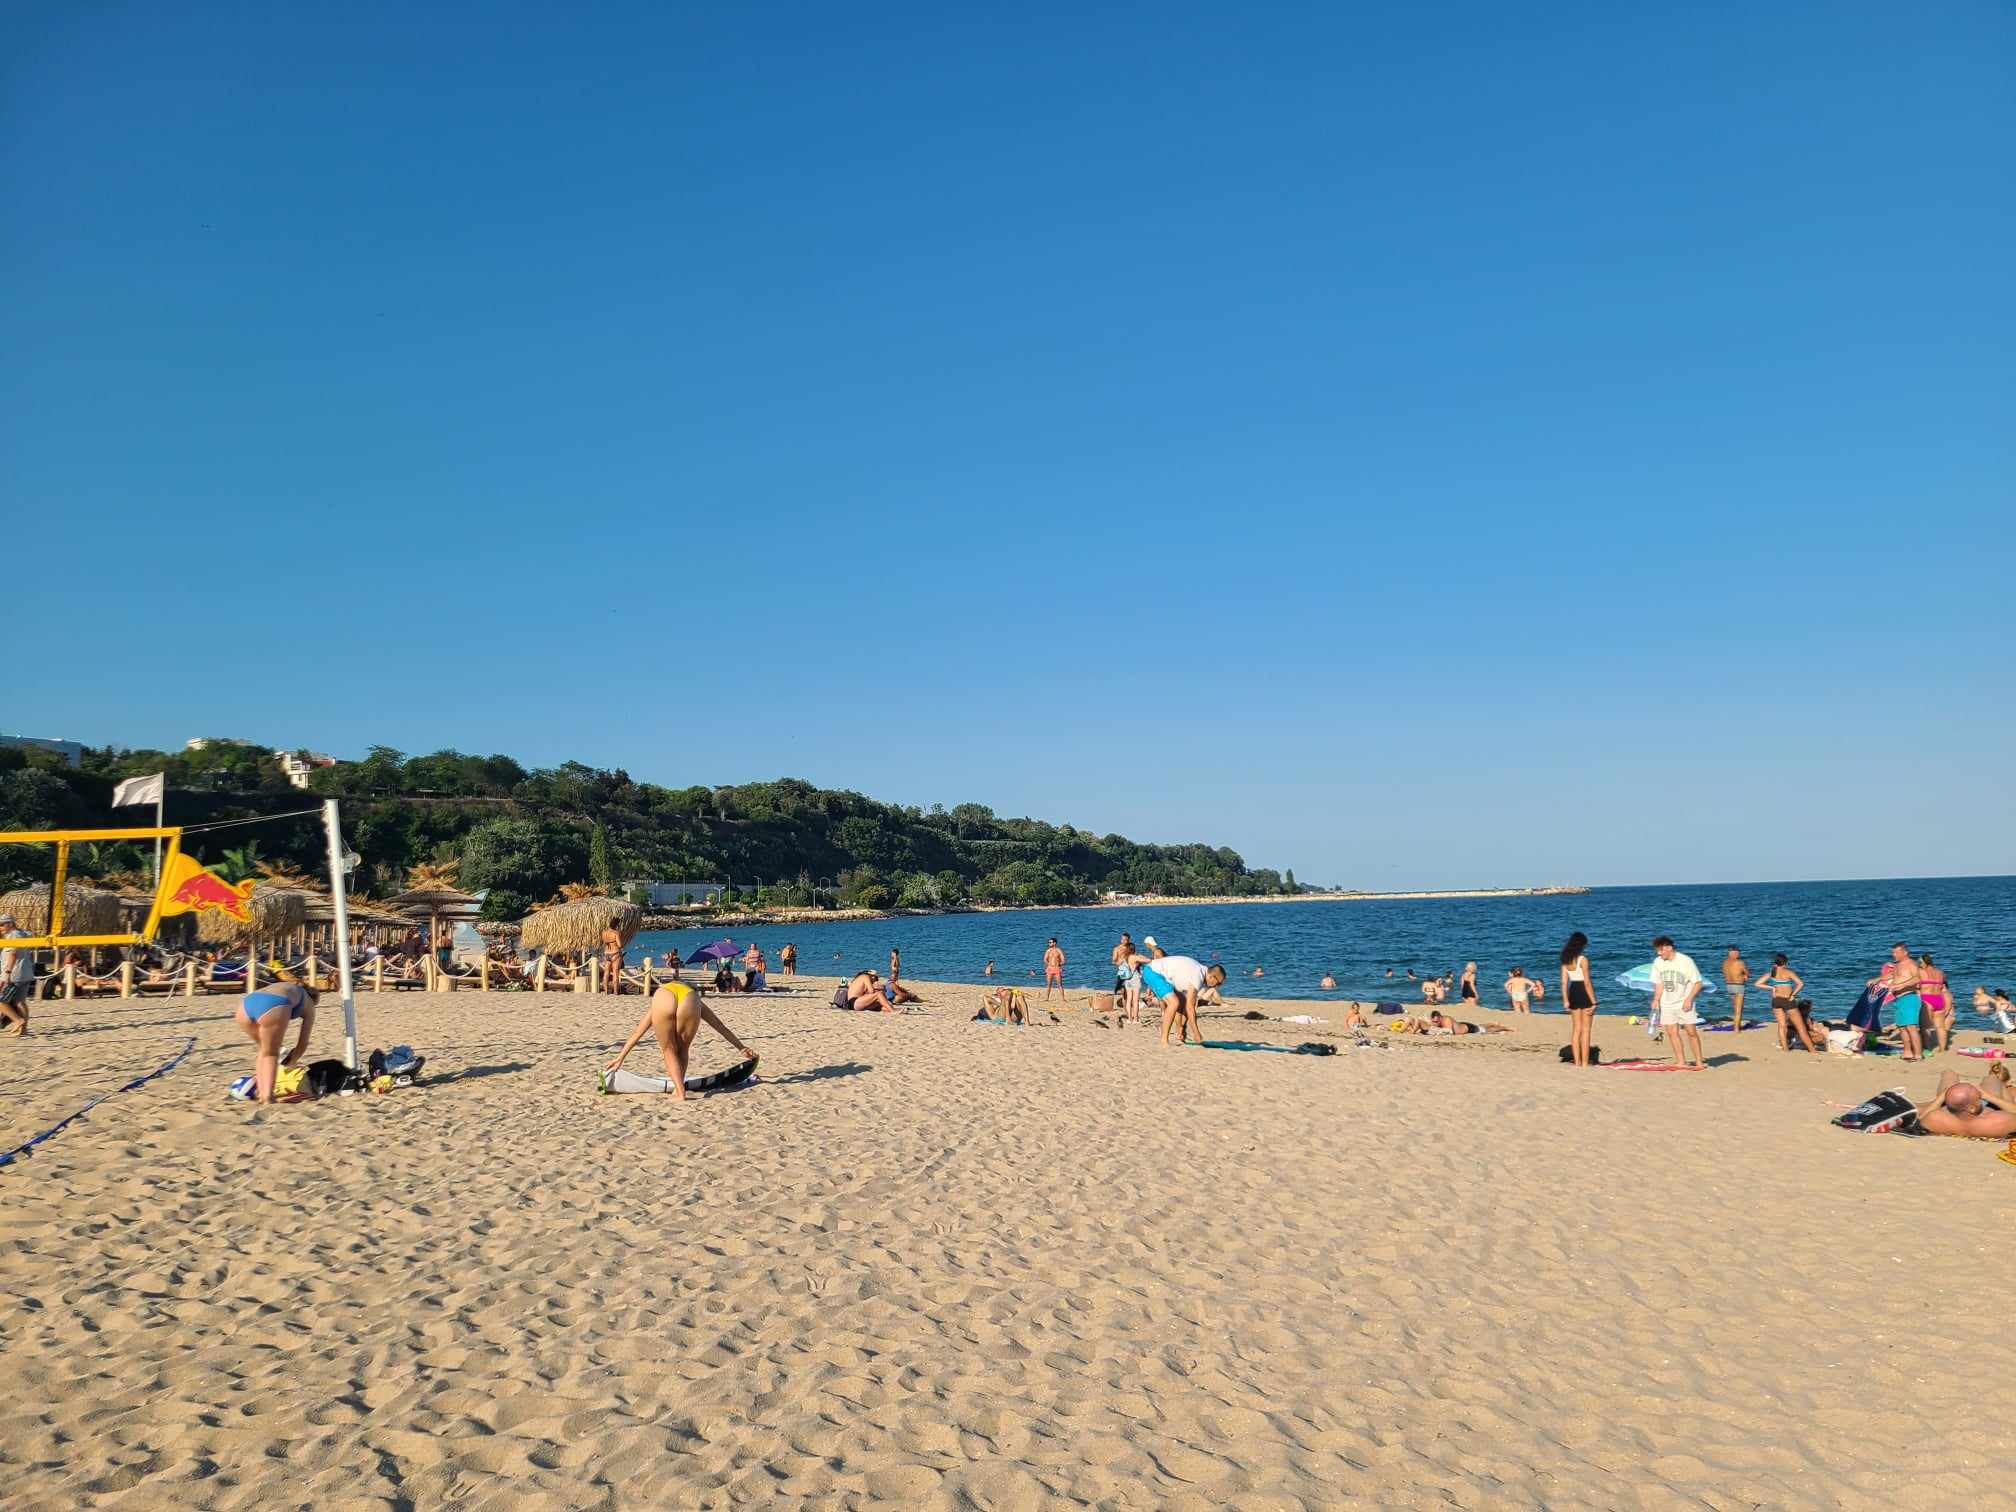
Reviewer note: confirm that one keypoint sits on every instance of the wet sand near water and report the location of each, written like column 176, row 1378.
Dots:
column 933, row 1263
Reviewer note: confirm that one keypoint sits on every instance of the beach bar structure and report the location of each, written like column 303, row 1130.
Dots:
column 680, row 894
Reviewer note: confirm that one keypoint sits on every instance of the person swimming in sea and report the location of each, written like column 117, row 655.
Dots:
column 1329, row 982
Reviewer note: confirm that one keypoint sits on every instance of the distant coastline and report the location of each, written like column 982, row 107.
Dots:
column 1149, row 900
column 660, row 923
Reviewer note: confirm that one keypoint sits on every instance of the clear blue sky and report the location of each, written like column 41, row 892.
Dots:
column 1414, row 445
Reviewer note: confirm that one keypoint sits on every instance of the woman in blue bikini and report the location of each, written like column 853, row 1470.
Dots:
column 264, row 1016
column 1786, row 985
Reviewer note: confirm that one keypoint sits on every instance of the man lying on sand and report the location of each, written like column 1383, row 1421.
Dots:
column 1964, row 1111
column 675, row 1015
column 1441, row 1023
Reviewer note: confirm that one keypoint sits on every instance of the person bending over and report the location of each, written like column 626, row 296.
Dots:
column 1962, row 1110
column 1175, row 982
column 676, row 1012
column 264, row 1016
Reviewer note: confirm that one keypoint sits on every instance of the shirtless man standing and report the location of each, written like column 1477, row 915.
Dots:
column 1906, row 1008
column 1519, row 987
column 1735, row 976
column 1053, row 970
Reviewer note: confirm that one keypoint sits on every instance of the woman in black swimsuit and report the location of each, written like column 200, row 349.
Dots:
column 1577, row 995
column 1469, row 990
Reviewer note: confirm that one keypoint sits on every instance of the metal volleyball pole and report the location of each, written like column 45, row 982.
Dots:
column 336, row 891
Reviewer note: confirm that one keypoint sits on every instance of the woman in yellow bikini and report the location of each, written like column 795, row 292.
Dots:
column 675, row 1015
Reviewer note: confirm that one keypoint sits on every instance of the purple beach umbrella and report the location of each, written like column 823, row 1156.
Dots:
column 720, row 950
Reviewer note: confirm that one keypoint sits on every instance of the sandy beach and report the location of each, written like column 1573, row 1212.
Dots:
column 932, row 1263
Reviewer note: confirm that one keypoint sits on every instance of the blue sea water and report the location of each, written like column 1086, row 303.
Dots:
column 1837, row 934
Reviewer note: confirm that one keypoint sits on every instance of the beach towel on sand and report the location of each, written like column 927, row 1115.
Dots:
column 1646, row 1065
column 1888, row 1112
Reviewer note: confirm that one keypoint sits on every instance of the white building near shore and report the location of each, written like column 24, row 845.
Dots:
column 678, row 894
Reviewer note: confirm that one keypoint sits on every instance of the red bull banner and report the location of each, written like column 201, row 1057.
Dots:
column 188, row 886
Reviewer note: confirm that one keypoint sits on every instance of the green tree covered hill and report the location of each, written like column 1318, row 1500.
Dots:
column 522, row 833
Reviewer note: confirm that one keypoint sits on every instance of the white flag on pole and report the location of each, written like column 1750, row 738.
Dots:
column 139, row 790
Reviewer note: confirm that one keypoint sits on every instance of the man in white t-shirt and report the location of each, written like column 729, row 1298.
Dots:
column 1676, row 982
column 1175, row 981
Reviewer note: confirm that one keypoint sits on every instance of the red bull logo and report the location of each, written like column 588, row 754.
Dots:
column 190, row 887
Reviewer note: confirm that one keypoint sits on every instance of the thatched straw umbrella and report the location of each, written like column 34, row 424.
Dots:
column 435, row 904
column 576, row 928
column 86, row 910
column 276, row 911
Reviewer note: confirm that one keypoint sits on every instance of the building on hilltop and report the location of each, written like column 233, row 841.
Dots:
column 300, row 765
column 296, row 766
column 71, row 751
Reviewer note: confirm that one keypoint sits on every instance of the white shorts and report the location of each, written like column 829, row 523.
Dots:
column 1685, row 1018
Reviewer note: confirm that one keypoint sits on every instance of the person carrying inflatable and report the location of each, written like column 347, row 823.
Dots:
column 675, row 1015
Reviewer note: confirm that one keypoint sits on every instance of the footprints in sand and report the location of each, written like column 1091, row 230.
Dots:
column 1012, row 1280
